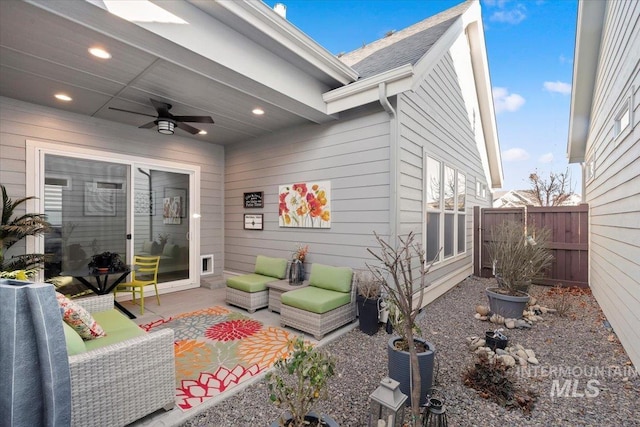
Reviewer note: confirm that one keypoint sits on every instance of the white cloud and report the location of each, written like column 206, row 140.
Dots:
column 515, row 155
column 559, row 87
column 546, row 158
column 513, row 16
column 505, row 101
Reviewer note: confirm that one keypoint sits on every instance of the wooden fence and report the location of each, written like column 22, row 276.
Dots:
column 569, row 239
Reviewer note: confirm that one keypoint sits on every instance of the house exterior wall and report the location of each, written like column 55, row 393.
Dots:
column 434, row 121
column 613, row 192
column 20, row 121
column 352, row 153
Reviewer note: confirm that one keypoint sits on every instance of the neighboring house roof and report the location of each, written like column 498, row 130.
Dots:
column 587, row 52
column 518, row 198
column 407, row 46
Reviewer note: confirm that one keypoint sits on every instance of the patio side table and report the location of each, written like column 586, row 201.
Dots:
column 277, row 288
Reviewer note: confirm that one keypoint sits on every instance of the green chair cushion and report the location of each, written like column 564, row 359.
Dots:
column 315, row 300
column 274, row 267
column 117, row 326
column 331, row 278
column 250, row 282
column 75, row 344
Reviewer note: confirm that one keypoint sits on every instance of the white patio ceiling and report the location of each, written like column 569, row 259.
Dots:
column 44, row 50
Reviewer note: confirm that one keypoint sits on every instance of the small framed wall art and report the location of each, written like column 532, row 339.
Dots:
column 254, row 199
column 253, row 221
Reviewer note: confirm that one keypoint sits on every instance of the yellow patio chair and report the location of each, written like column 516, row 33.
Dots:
column 143, row 273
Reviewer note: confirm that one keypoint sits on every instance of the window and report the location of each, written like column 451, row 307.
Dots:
column 623, row 121
column 481, row 190
column 445, row 206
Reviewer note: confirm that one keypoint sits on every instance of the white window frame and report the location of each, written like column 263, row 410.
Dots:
column 624, row 114
column 456, row 254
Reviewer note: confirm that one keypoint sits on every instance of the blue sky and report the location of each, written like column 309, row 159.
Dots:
column 530, row 50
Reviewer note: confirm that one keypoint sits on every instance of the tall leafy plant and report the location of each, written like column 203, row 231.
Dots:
column 15, row 228
column 402, row 272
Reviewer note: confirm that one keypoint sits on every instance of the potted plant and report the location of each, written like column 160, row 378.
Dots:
column 298, row 381
column 518, row 257
column 13, row 230
column 411, row 358
column 368, row 301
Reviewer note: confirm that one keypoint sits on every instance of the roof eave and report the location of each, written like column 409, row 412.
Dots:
column 585, row 68
column 260, row 16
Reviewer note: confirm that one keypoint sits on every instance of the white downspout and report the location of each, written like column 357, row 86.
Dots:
column 393, row 161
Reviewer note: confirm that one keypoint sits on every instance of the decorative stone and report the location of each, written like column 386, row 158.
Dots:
column 477, row 343
column 482, row 310
column 533, row 301
column 497, row 319
column 501, row 352
column 522, row 324
column 510, row 323
column 522, row 362
column 533, row 360
column 522, row 354
column 507, row 360
column 530, row 353
column 519, row 347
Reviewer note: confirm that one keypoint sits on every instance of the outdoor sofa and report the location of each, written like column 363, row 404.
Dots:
column 250, row 291
column 323, row 306
column 123, row 376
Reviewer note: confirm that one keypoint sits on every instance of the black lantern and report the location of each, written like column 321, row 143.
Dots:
column 435, row 414
column 387, row 405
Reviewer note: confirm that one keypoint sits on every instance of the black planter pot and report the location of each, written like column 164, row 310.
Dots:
column 367, row 314
column 296, row 272
column 508, row 306
column 400, row 369
column 494, row 343
column 312, row 416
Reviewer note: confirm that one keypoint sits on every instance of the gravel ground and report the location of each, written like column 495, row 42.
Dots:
column 576, row 348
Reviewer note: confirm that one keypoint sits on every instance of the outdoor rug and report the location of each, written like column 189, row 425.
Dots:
column 217, row 349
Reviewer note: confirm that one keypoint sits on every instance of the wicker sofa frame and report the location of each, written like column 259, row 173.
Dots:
column 319, row 324
column 120, row 383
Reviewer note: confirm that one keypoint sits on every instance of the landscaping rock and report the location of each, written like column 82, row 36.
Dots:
column 522, row 324
column 507, row 360
column 533, row 360
column 510, row 323
column 482, row 310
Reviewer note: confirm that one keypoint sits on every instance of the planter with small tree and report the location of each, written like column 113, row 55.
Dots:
column 368, row 301
column 298, row 381
column 402, row 271
column 518, row 256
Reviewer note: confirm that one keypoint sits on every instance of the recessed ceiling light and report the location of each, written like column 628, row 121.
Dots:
column 202, row 132
column 258, row 111
column 100, row 53
column 63, row 97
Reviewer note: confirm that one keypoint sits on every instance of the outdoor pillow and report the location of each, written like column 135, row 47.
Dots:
column 79, row 318
column 171, row 251
column 331, row 278
column 273, row 267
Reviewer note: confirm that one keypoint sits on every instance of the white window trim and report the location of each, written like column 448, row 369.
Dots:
column 625, row 108
column 442, row 260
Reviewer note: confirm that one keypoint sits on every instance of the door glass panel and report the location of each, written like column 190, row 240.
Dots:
column 161, row 220
column 86, row 202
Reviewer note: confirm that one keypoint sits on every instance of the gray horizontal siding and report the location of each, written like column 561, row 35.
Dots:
column 20, row 121
column 353, row 154
column 434, row 118
column 614, row 194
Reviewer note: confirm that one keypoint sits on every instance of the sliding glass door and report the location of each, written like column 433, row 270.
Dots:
column 129, row 208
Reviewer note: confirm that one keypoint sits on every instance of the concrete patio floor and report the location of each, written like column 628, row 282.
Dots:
column 195, row 299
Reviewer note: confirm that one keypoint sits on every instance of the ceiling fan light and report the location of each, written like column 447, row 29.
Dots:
column 165, row 127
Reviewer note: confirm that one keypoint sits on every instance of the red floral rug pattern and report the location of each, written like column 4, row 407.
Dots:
column 217, row 349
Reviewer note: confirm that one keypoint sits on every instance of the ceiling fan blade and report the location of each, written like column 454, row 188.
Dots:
column 194, row 119
column 188, row 128
column 132, row 112
column 148, row 125
column 161, row 107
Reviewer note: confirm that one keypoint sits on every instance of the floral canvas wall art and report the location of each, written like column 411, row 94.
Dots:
column 305, row 205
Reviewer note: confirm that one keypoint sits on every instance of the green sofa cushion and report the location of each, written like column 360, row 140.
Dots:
column 315, row 300
column 117, row 326
column 75, row 344
column 274, row 267
column 250, row 282
column 331, row 278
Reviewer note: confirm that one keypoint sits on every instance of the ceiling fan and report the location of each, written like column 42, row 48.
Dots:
column 166, row 121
